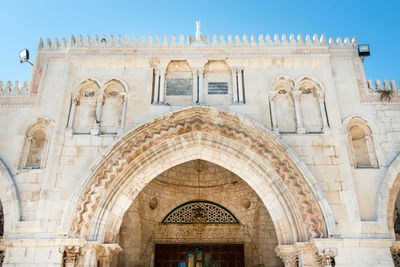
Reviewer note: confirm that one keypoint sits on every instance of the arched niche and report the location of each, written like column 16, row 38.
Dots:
column 87, row 94
column 217, row 83
column 36, row 144
column 111, row 111
column 282, row 105
column 231, row 141
column 310, row 108
column 178, row 83
column 361, row 144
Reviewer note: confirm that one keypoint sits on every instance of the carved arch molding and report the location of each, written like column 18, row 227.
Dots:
column 196, row 119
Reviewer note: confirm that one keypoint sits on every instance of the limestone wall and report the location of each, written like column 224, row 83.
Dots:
column 130, row 78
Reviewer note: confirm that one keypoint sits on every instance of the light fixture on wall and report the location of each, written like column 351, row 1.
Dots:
column 24, row 56
column 363, row 51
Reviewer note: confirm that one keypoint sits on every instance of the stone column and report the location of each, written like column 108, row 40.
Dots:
column 327, row 255
column 323, row 113
column 162, row 87
column 123, row 115
column 201, row 86
column 299, row 121
column 75, row 100
column 195, row 93
column 156, row 91
column 240, row 85
column 288, row 254
column 234, row 86
column 272, row 96
column 96, row 128
column 70, row 256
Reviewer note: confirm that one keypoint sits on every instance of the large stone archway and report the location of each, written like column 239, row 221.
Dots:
column 296, row 204
column 9, row 198
column 387, row 194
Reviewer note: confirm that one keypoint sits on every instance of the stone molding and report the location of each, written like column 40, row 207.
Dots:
column 190, row 120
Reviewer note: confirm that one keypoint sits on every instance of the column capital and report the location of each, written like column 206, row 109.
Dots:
column 327, row 255
column 272, row 94
column 288, row 254
column 75, row 97
column 296, row 95
column 71, row 254
column 100, row 98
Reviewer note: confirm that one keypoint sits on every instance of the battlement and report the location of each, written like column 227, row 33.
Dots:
column 236, row 41
column 386, row 86
column 16, row 89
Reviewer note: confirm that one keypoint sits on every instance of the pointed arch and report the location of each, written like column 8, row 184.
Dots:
column 234, row 142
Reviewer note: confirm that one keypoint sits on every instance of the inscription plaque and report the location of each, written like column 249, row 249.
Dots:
column 179, row 86
column 218, row 88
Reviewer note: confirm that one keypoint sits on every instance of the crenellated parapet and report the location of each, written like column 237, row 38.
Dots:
column 385, row 86
column 231, row 41
column 14, row 89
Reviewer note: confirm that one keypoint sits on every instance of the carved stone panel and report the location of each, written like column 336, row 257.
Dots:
column 179, row 86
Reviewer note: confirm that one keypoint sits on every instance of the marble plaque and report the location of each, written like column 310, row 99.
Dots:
column 179, row 86
column 218, row 88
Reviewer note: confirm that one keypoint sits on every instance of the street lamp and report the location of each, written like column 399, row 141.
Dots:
column 24, row 56
column 363, row 51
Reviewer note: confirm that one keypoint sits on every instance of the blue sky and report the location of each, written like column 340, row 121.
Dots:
column 377, row 23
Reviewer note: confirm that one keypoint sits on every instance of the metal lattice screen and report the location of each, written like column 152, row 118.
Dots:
column 208, row 212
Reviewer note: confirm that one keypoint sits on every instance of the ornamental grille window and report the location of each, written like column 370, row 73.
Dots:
column 195, row 212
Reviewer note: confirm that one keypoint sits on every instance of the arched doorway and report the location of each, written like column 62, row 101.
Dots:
column 298, row 210
column 160, row 226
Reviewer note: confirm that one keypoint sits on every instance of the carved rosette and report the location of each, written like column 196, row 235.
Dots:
column 199, row 119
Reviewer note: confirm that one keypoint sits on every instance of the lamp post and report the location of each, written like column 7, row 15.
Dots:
column 24, row 56
column 363, row 51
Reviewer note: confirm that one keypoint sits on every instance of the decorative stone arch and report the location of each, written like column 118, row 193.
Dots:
column 362, row 123
column 310, row 82
column 291, row 194
column 282, row 105
column 387, row 194
column 10, row 200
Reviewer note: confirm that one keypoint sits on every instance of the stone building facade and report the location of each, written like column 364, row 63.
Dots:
column 199, row 151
